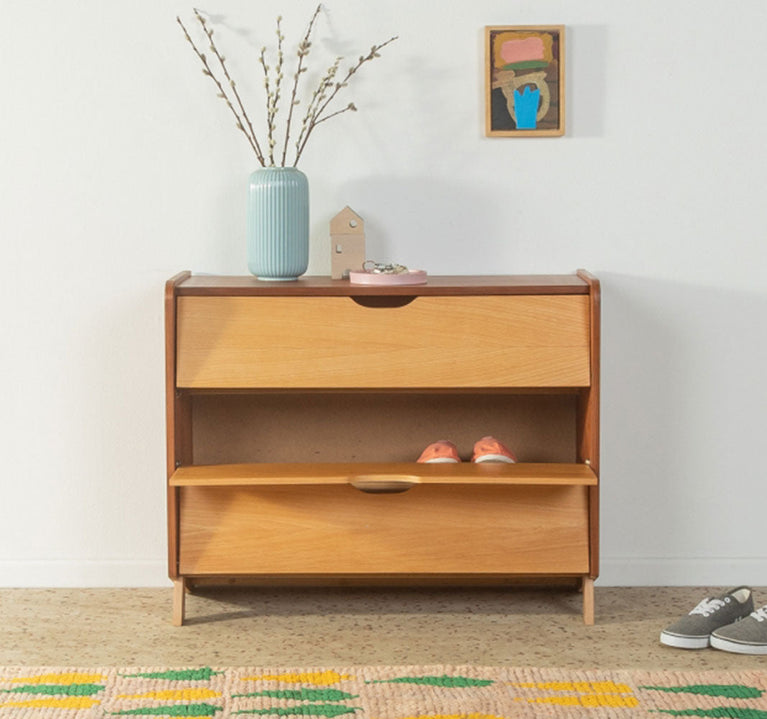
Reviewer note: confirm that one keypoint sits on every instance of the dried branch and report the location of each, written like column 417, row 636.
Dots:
column 320, row 94
column 303, row 50
column 315, row 118
column 317, row 109
column 222, row 62
column 351, row 107
column 206, row 70
column 269, row 98
column 277, row 86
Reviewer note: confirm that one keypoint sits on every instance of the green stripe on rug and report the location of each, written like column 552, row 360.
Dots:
column 176, row 710
column 732, row 691
column 325, row 695
column 309, row 710
column 724, row 712
column 443, row 681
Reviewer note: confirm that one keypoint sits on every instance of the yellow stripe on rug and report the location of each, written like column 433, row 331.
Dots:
column 320, row 678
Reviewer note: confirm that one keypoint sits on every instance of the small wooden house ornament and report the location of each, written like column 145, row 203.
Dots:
column 347, row 243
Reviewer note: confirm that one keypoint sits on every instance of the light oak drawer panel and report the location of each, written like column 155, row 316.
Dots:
column 325, row 342
column 425, row 530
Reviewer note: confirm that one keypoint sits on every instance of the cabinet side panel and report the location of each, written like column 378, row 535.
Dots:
column 588, row 415
column 178, row 424
column 430, row 342
column 426, row 530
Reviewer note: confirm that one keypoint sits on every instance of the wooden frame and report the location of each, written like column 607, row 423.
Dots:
column 525, row 81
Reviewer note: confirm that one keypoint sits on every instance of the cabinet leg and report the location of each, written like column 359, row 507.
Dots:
column 179, row 596
column 588, row 600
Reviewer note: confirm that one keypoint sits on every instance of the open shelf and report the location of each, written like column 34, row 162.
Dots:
column 283, row 473
column 319, row 427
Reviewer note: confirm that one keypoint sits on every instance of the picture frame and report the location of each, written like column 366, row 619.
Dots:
column 525, row 81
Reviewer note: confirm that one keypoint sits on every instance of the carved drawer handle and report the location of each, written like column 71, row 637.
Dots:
column 383, row 301
column 383, row 483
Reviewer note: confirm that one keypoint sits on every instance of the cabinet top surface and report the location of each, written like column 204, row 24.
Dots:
column 187, row 284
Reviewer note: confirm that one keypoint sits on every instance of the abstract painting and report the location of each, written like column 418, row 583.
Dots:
column 525, row 81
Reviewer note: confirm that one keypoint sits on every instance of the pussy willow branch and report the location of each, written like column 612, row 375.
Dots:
column 303, row 51
column 316, row 117
column 268, row 89
column 277, row 86
column 272, row 97
column 324, row 94
column 351, row 107
column 222, row 62
column 222, row 94
column 317, row 98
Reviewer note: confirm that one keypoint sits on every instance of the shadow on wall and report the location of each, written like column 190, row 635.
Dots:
column 586, row 80
column 683, row 428
column 122, row 453
column 422, row 222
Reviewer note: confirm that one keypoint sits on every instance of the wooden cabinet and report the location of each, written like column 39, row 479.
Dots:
column 296, row 411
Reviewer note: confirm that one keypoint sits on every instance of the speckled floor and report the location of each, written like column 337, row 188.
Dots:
column 325, row 627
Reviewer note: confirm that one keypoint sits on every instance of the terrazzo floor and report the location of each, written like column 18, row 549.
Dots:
column 346, row 627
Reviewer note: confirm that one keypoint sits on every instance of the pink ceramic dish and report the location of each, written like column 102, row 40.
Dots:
column 411, row 277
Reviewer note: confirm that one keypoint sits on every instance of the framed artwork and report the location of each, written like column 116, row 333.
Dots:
column 525, row 81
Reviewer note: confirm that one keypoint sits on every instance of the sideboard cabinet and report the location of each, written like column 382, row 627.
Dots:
column 296, row 411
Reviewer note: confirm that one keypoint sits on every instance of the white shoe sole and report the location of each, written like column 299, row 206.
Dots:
column 679, row 642
column 727, row 645
column 494, row 458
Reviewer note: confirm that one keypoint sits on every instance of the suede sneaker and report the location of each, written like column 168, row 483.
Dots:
column 712, row 613
column 441, row 451
column 747, row 636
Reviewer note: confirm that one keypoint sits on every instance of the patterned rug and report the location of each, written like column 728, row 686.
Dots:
column 432, row 692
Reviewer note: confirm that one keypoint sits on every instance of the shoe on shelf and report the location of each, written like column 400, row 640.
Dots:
column 438, row 452
column 747, row 636
column 489, row 449
column 712, row 613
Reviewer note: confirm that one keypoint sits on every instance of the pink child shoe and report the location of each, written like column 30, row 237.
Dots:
column 441, row 451
column 489, row 449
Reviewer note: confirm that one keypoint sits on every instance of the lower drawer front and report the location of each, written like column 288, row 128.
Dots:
column 429, row 529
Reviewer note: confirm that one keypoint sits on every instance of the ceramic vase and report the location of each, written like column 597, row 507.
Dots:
column 278, row 223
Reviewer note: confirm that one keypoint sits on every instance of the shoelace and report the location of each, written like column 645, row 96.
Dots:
column 708, row 606
column 760, row 614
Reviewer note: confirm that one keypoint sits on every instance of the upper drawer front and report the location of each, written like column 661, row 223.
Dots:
column 324, row 342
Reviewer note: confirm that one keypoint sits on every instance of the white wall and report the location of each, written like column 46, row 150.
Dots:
column 118, row 168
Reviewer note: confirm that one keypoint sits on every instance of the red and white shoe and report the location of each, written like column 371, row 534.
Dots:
column 489, row 449
column 438, row 452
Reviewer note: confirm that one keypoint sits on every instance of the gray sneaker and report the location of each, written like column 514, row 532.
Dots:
column 694, row 630
column 747, row 636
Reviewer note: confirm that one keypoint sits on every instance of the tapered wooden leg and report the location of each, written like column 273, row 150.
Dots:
column 588, row 600
column 179, row 596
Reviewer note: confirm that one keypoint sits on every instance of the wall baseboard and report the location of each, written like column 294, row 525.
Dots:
column 614, row 572
column 83, row 573
column 682, row 571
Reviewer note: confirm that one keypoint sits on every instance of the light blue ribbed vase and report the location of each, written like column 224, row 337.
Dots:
column 278, row 223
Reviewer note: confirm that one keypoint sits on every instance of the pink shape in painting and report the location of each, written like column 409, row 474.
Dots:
column 530, row 48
